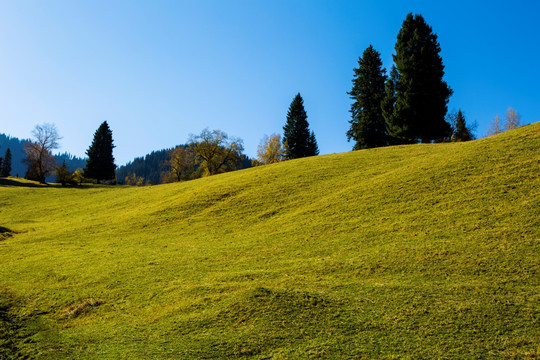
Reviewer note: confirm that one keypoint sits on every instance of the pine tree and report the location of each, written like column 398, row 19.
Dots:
column 5, row 169
column 312, row 148
column 421, row 94
column 298, row 140
column 368, row 128
column 387, row 105
column 100, row 164
column 461, row 131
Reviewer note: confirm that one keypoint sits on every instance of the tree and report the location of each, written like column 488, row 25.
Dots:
column 460, row 130
column 134, row 180
column 512, row 119
column 421, row 94
column 495, row 127
column 270, row 150
column 217, row 152
column 182, row 162
column 77, row 178
column 393, row 126
column 5, row 164
column 100, row 164
column 39, row 159
column 63, row 176
column 368, row 127
column 298, row 140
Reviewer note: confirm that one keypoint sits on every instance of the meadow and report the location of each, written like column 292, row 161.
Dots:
column 417, row 251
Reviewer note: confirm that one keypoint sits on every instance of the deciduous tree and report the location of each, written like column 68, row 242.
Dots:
column 39, row 159
column 368, row 128
column 182, row 163
column 495, row 127
column 270, row 150
column 134, row 180
column 77, row 178
column 217, row 152
column 512, row 119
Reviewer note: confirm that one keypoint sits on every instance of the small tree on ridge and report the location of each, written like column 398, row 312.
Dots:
column 298, row 140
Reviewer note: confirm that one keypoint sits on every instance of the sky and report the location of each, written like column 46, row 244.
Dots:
column 158, row 71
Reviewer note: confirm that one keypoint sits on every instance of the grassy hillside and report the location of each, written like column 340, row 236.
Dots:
column 421, row 251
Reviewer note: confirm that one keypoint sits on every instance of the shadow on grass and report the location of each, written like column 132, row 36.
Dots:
column 19, row 183
column 11, row 182
column 10, row 327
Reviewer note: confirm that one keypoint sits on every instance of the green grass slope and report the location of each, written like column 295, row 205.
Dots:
column 420, row 251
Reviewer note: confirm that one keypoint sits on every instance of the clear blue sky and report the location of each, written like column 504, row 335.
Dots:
column 160, row 70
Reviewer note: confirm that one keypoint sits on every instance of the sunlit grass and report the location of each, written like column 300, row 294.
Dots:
column 422, row 251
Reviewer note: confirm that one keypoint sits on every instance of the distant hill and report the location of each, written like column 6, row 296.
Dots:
column 426, row 251
column 152, row 165
column 18, row 168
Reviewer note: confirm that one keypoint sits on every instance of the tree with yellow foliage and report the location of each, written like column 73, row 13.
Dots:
column 270, row 149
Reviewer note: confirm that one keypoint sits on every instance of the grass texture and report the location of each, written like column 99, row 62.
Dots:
column 421, row 251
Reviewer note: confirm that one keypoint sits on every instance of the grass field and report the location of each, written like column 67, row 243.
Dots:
column 420, row 251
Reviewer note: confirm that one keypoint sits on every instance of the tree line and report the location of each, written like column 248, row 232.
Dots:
column 409, row 105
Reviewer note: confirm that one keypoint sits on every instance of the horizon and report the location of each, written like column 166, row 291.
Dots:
column 157, row 74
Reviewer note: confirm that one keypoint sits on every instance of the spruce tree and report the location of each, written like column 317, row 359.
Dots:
column 368, row 127
column 421, row 94
column 393, row 125
column 461, row 130
column 312, row 148
column 298, row 140
column 100, row 164
column 5, row 168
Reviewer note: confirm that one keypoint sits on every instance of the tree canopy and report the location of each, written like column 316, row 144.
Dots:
column 217, row 152
column 182, row 163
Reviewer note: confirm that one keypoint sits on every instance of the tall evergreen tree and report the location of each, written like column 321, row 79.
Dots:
column 298, row 140
column 368, row 127
column 5, row 169
column 100, row 164
column 421, row 94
